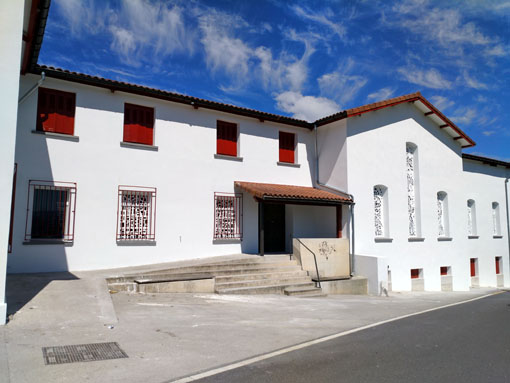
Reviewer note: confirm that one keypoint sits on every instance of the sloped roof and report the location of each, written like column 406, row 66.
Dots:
column 291, row 193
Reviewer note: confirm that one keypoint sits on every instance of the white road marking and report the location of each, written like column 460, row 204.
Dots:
column 300, row 346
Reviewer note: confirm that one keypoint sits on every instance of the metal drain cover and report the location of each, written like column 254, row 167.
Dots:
column 82, row 353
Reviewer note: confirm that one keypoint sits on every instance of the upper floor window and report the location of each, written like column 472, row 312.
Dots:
column 496, row 224
column 136, row 213
column 138, row 124
column 442, row 214
column 412, row 189
column 50, row 210
column 55, row 111
column 287, row 147
column 471, row 206
column 226, row 138
column 381, row 211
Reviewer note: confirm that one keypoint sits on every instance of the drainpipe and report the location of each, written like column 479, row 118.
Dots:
column 33, row 89
column 507, row 218
column 351, row 206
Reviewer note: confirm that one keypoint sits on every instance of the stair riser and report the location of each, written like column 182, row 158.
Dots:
column 244, row 277
column 262, row 290
column 240, row 266
column 303, row 293
column 263, row 282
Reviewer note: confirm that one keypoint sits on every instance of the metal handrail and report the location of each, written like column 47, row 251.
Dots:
column 315, row 260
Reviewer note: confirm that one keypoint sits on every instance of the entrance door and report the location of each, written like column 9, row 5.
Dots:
column 274, row 228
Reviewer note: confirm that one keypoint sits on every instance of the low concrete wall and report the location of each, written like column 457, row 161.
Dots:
column 332, row 256
column 375, row 269
column 353, row 286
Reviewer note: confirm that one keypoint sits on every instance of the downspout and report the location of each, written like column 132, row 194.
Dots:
column 351, row 206
column 507, row 218
column 33, row 89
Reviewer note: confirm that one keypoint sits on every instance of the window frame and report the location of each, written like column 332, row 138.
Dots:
column 150, row 236
column 69, row 213
column 130, row 127
column 225, row 144
column 70, row 124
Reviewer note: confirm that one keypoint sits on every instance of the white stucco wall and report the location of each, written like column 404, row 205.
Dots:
column 376, row 147
column 183, row 170
column 11, row 30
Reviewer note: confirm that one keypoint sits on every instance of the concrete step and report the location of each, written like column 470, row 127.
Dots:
column 267, row 275
column 307, row 291
column 268, row 289
column 261, row 282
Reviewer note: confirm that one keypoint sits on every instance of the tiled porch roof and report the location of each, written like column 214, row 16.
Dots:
column 291, row 193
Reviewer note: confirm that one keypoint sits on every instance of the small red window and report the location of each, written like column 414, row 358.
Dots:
column 472, row 262
column 287, row 147
column 498, row 260
column 444, row 270
column 55, row 111
column 226, row 138
column 138, row 124
column 415, row 273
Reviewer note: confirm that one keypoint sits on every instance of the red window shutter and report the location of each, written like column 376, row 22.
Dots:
column 472, row 262
column 138, row 124
column 287, row 145
column 55, row 111
column 497, row 265
column 226, row 138
column 415, row 273
column 444, row 270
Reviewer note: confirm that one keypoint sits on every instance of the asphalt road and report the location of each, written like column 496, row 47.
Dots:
column 465, row 343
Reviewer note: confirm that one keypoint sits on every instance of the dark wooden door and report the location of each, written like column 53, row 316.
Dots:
column 274, row 228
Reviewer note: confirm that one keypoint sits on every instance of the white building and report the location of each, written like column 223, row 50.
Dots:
column 111, row 174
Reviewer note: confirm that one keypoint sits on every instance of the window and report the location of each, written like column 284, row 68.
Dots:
column 50, row 211
column 412, row 189
column 287, row 145
column 442, row 215
column 138, row 124
column 473, row 263
column 496, row 225
column 445, row 270
column 226, row 138
column 136, row 214
column 381, row 211
column 55, row 111
column 228, row 216
column 499, row 265
column 416, row 273
column 471, row 205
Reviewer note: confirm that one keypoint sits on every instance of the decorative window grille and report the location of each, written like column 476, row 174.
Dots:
column 51, row 209
column 380, row 210
column 228, row 216
column 471, row 217
column 136, row 214
column 442, row 214
column 496, row 226
column 411, row 192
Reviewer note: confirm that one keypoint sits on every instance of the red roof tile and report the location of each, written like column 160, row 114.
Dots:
column 303, row 193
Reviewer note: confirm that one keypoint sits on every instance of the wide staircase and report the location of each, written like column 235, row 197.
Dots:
column 272, row 274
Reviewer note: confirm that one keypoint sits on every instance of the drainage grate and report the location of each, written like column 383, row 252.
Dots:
column 82, row 353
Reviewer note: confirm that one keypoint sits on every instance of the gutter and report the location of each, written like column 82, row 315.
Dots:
column 351, row 205
column 33, row 89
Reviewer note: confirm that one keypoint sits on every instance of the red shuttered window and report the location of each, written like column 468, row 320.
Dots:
column 138, row 124
column 415, row 273
column 472, row 263
column 498, row 261
column 444, row 270
column 55, row 111
column 226, row 138
column 287, row 147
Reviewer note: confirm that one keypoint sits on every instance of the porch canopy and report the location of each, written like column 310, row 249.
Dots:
column 271, row 219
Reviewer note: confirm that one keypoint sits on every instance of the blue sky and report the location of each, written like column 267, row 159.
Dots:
column 305, row 59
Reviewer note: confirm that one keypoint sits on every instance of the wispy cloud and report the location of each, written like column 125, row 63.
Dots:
column 472, row 82
column 342, row 85
column 430, row 78
column 381, row 94
column 441, row 102
column 465, row 115
column 307, row 108
column 321, row 17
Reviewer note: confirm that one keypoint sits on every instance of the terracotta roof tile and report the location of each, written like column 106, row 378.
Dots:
column 305, row 193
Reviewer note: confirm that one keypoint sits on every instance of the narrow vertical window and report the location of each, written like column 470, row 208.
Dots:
column 471, row 207
column 496, row 224
column 138, row 124
column 55, row 111
column 412, row 189
column 287, row 145
column 473, row 266
column 228, row 222
column 381, row 224
column 442, row 214
column 136, row 213
column 226, row 138
column 498, row 265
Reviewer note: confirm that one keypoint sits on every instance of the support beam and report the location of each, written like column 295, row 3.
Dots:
column 444, row 126
column 429, row 113
column 261, row 228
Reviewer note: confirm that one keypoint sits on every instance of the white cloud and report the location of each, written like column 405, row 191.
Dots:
column 465, row 116
column 83, row 15
column 429, row 78
column 441, row 102
column 307, row 108
column 473, row 83
column 488, row 133
column 320, row 17
column 381, row 94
